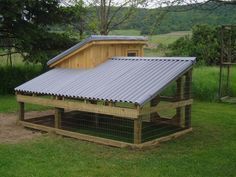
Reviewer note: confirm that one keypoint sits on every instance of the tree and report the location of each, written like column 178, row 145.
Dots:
column 26, row 24
column 109, row 14
column 76, row 15
column 203, row 44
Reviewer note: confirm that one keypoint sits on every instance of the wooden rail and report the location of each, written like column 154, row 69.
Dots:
column 171, row 105
column 105, row 141
column 86, row 107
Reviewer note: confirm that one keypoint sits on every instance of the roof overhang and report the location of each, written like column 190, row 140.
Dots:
column 125, row 79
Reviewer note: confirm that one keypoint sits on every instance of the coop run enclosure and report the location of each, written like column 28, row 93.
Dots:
column 226, row 92
column 124, row 102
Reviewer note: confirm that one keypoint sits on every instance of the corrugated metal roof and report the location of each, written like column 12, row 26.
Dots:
column 96, row 38
column 121, row 79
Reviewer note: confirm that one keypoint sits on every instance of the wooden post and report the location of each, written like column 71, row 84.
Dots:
column 180, row 96
column 188, row 90
column 21, row 111
column 58, row 115
column 138, row 129
column 153, row 103
column 96, row 116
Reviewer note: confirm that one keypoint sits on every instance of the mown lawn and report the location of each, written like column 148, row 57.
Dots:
column 9, row 104
column 209, row 151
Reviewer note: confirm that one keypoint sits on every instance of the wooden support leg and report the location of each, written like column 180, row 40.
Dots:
column 137, row 131
column 21, row 111
column 96, row 117
column 188, row 88
column 58, row 116
column 154, row 102
column 180, row 96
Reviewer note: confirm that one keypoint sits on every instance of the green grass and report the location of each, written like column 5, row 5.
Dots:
column 168, row 38
column 209, row 151
column 16, row 60
column 8, row 104
column 157, row 44
column 127, row 32
column 206, row 82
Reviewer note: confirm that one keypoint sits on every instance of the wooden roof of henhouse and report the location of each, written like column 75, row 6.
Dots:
column 120, row 79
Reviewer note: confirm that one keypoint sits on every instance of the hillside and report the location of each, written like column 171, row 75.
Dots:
column 180, row 18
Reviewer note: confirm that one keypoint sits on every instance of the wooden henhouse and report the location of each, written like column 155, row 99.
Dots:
column 103, row 90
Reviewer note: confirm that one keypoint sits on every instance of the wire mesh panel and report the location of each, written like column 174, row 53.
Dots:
column 228, row 62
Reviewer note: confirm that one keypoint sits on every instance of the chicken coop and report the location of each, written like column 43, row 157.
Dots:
column 103, row 90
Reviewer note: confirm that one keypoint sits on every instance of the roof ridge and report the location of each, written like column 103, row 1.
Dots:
column 193, row 59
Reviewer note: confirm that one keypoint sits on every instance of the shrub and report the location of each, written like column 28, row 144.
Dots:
column 203, row 44
column 12, row 77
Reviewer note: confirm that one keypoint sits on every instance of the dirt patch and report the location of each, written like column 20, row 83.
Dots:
column 12, row 132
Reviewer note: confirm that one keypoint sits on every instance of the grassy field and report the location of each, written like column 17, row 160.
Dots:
column 157, row 44
column 16, row 60
column 164, row 39
column 209, row 151
column 8, row 104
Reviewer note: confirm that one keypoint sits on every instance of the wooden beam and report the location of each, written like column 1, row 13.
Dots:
column 153, row 103
column 21, row 111
column 180, row 96
column 156, row 142
column 138, row 129
column 58, row 117
column 188, row 90
column 76, row 135
column 166, row 106
column 80, row 106
column 105, row 141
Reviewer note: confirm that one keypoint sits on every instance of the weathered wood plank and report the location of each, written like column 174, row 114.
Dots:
column 86, row 107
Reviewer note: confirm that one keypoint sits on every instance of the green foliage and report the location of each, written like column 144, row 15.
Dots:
column 12, row 77
column 180, row 18
column 208, row 151
column 24, row 28
column 203, row 44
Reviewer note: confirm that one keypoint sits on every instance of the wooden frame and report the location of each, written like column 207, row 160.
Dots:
column 105, row 141
column 182, row 103
column 80, row 106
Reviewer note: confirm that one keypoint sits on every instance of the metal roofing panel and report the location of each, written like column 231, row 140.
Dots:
column 96, row 38
column 121, row 79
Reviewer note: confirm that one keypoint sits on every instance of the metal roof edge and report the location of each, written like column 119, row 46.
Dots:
column 193, row 59
column 143, row 101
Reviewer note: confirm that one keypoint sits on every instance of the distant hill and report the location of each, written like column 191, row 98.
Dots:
column 181, row 18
